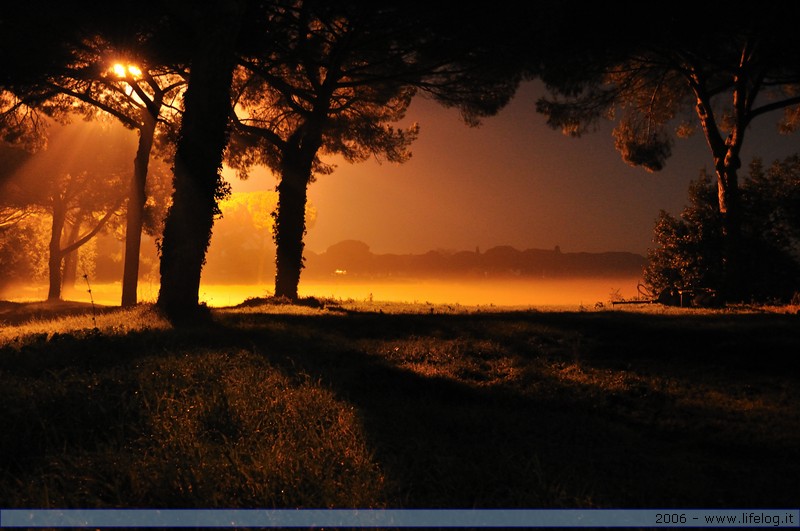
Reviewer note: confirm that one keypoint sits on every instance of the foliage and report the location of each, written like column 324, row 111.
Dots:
column 78, row 181
column 23, row 250
column 689, row 249
column 719, row 78
column 159, row 191
column 710, row 69
column 242, row 249
column 21, row 124
column 774, row 195
column 334, row 79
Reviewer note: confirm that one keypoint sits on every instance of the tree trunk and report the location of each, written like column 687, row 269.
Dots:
column 290, row 222
column 730, row 208
column 726, row 166
column 55, row 255
column 198, row 161
column 135, row 211
column 290, row 227
column 70, row 268
column 57, row 252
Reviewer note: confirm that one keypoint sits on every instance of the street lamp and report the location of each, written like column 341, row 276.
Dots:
column 122, row 71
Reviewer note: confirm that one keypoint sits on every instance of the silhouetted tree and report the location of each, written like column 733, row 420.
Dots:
column 77, row 181
column 117, row 65
column 320, row 96
column 709, row 66
column 334, row 80
column 141, row 96
column 212, row 28
column 689, row 251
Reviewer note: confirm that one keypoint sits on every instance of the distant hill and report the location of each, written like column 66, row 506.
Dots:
column 353, row 259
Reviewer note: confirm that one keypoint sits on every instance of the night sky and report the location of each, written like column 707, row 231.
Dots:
column 511, row 181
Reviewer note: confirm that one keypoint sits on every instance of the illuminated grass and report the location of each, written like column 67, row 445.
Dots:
column 42, row 320
column 367, row 404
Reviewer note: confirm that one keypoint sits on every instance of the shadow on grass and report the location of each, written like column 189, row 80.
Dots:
column 478, row 410
column 450, row 443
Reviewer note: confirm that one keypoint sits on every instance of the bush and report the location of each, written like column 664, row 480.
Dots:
column 689, row 249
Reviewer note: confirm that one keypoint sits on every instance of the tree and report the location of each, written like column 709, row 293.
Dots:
column 773, row 196
column 64, row 180
column 772, row 229
column 320, row 96
column 21, row 234
column 689, row 249
column 141, row 96
column 687, row 254
column 99, row 63
column 242, row 249
column 13, row 230
column 709, row 67
column 213, row 28
column 334, row 80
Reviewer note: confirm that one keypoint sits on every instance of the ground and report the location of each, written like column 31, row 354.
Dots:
column 370, row 404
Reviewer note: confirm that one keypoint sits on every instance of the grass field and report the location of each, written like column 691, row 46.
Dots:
column 397, row 405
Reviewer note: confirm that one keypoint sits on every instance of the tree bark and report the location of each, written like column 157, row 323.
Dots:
column 730, row 208
column 290, row 220
column 135, row 211
column 57, row 252
column 198, row 161
column 290, row 227
column 727, row 162
column 55, row 255
column 69, row 273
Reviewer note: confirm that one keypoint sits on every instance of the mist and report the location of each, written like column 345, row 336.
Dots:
column 240, row 263
column 574, row 292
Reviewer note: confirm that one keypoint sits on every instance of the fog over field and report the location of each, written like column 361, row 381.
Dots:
column 500, row 292
column 244, row 268
column 470, row 292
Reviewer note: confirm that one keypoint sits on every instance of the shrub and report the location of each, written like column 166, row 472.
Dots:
column 689, row 249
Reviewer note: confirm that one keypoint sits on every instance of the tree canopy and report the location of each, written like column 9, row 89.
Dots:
column 78, row 182
column 286, row 83
column 334, row 78
column 706, row 69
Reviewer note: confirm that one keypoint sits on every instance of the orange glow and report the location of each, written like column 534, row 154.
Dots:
column 565, row 293
column 122, row 71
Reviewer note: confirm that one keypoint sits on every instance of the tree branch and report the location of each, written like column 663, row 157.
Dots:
column 92, row 233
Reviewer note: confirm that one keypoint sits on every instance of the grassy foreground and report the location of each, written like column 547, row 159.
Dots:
column 378, row 405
